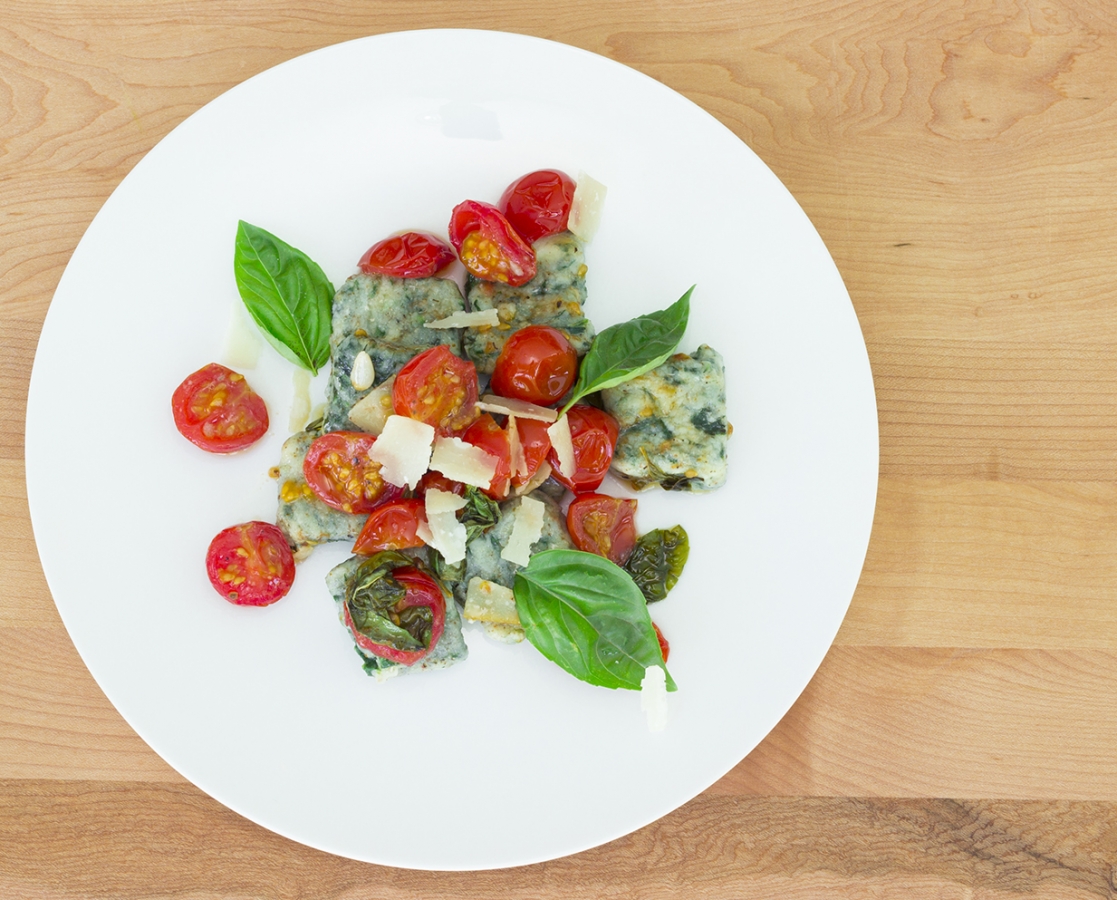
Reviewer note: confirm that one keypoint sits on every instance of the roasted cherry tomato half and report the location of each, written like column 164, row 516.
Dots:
column 594, row 435
column 341, row 474
column 251, row 564
column 420, row 591
column 537, row 364
column 538, row 204
column 413, row 254
column 436, row 481
column 392, row 526
column 216, row 410
column 603, row 525
column 438, row 388
column 535, row 443
column 490, row 437
column 488, row 246
column 664, row 647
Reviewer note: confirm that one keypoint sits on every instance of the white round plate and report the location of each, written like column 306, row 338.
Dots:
column 505, row 759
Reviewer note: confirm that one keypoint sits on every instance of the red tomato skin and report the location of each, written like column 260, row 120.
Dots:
column 537, row 364
column 490, row 437
column 664, row 647
column 436, row 481
column 488, row 246
column 422, row 590
column 594, row 434
column 538, row 205
column 439, row 388
column 414, row 254
column 392, row 526
column 251, row 564
column 339, row 472
column 603, row 525
column 215, row 409
column 536, row 444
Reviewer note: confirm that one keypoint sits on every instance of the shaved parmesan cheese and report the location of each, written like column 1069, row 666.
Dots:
column 563, row 445
column 487, row 601
column 587, row 206
column 403, row 450
column 475, row 319
column 300, row 401
column 541, row 475
column 527, row 528
column 444, row 532
column 463, row 462
column 242, row 341
column 372, row 411
column 504, row 406
column 653, row 697
column 516, row 449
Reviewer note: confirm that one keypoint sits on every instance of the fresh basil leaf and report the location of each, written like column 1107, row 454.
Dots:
column 586, row 614
column 287, row 294
column 631, row 348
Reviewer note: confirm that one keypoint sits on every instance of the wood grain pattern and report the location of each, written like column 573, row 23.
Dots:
column 957, row 158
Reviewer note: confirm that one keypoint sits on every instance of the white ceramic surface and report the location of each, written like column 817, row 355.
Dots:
column 504, row 760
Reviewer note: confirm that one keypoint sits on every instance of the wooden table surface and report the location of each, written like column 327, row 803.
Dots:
column 959, row 159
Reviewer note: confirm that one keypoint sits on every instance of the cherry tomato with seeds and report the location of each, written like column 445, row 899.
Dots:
column 392, row 526
column 536, row 444
column 603, row 525
column 251, row 564
column 594, row 434
column 488, row 246
column 341, row 474
column 438, row 388
column 490, row 437
column 538, row 204
column 420, row 591
column 413, row 254
column 537, row 364
column 215, row 409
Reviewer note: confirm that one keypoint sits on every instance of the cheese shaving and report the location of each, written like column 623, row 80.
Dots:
column 516, row 449
column 527, row 528
column 476, row 319
column 541, row 475
column 463, row 462
column 372, row 411
column 586, row 207
column 403, row 450
column 487, row 601
column 505, row 406
column 444, row 532
column 563, row 445
column 300, row 400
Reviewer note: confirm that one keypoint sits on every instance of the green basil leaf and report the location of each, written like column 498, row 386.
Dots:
column 631, row 348
column 586, row 614
column 657, row 561
column 287, row 294
column 375, row 599
column 480, row 514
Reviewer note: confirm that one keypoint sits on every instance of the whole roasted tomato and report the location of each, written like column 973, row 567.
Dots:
column 537, row 364
column 251, row 564
column 488, row 246
column 594, row 434
column 538, row 204
column 216, row 410
column 603, row 525
column 341, row 474
column 413, row 254
column 438, row 388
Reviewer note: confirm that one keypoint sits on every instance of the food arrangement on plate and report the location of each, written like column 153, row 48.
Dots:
column 464, row 438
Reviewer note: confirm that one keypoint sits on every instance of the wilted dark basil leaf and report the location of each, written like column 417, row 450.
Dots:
column 480, row 513
column 657, row 561
column 374, row 599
